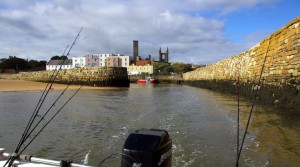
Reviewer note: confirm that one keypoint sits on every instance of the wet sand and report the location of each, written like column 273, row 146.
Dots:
column 21, row 85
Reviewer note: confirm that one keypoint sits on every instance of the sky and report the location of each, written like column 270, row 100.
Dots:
column 195, row 31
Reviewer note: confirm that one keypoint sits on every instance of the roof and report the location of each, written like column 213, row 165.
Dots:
column 59, row 62
column 144, row 62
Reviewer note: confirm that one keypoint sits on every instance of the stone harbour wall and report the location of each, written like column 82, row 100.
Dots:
column 278, row 53
column 94, row 76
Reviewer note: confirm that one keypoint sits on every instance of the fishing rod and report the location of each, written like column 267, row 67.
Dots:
column 40, row 102
column 51, row 119
column 57, row 72
column 54, row 75
column 253, row 103
column 36, row 110
column 238, row 118
column 42, row 118
column 35, row 113
column 52, row 79
column 53, row 104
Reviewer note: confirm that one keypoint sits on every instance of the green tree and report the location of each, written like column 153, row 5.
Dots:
column 14, row 62
column 35, row 64
column 20, row 64
column 160, row 67
column 59, row 57
column 168, row 70
column 181, row 67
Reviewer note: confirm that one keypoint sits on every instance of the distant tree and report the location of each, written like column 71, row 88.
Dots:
column 59, row 57
column 14, row 62
column 181, row 67
column 20, row 64
column 34, row 63
column 168, row 70
column 42, row 63
column 160, row 66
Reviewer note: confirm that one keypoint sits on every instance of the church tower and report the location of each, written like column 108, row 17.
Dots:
column 163, row 57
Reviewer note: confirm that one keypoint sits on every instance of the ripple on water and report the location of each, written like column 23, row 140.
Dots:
column 201, row 123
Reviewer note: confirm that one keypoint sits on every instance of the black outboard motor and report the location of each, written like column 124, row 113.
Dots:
column 147, row 148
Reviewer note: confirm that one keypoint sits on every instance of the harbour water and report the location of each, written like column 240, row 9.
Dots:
column 201, row 123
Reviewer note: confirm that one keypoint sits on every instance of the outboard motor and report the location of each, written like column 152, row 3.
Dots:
column 147, row 148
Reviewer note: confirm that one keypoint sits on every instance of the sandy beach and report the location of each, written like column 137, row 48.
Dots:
column 21, row 85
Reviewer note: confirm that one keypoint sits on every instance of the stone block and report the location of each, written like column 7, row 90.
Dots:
column 286, row 40
column 295, row 73
column 290, row 71
column 290, row 56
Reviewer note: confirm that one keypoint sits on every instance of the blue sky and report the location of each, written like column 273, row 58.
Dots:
column 260, row 20
column 195, row 31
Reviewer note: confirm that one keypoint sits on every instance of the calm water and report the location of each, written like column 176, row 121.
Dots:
column 201, row 123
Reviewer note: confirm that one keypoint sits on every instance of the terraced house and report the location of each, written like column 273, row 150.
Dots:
column 141, row 66
column 57, row 64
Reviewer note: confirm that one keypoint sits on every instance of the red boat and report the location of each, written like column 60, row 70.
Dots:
column 144, row 81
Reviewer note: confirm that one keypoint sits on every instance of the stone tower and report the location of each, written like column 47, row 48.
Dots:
column 135, row 50
column 163, row 57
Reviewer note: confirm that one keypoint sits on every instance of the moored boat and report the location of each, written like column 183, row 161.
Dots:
column 144, row 81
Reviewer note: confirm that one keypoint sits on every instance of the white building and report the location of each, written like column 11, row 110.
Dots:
column 102, row 59
column 57, row 64
column 78, row 62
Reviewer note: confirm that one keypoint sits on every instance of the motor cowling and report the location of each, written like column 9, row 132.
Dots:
column 147, row 148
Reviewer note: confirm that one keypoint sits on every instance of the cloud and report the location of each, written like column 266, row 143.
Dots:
column 37, row 29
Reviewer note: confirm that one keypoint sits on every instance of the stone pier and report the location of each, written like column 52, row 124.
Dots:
column 94, row 76
column 279, row 55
